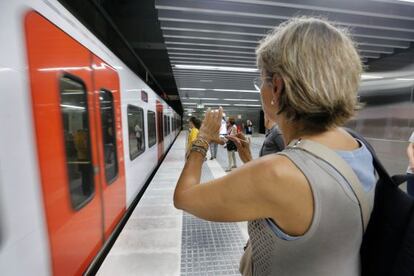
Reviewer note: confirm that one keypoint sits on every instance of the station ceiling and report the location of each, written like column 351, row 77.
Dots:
column 225, row 33
column 164, row 35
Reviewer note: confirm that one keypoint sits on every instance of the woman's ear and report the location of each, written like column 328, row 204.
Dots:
column 278, row 86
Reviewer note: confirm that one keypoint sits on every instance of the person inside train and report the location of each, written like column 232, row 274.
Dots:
column 138, row 136
column 410, row 169
column 303, row 219
column 194, row 125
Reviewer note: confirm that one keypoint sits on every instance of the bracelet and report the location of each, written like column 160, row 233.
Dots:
column 199, row 142
column 202, row 151
column 199, row 137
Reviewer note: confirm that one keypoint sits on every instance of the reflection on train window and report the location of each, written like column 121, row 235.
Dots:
column 108, row 134
column 152, row 132
column 136, row 132
column 165, row 125
column 73, row 104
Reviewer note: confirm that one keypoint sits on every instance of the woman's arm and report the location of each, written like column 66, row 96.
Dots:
column 270, row 187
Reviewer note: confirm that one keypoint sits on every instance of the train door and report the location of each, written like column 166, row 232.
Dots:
column 110, row 147
column 160, row 128
column 66, row 134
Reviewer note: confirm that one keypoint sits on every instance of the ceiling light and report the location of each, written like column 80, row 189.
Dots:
column 405, row 79
column 251, row 105
column 241, row 100
column 217, row 104
column 215, row 68
column 195, row 98
column 189, row 103
column 235, row 90
column 411, row 1
column 370, row 77
column 197, row 89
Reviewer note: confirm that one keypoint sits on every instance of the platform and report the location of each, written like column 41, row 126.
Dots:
column 161, row 240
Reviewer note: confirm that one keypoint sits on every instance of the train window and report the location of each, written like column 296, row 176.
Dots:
column 152, row 132
column 136, row 131
column 73, row 104
column 108, row 134
column 165, row 125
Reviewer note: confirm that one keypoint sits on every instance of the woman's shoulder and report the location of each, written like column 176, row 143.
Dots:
column 279, row 172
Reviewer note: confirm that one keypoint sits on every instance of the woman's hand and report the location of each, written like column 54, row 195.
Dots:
column 210, row 127
column 243, row 146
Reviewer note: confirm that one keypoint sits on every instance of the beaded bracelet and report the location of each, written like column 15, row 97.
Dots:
column 199, row 150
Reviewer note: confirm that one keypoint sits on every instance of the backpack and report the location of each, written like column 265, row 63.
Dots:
column 388, row 243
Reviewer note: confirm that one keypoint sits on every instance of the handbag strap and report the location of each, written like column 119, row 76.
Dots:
column 331, row 157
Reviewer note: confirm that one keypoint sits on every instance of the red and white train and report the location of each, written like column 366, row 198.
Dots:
column 80, row 136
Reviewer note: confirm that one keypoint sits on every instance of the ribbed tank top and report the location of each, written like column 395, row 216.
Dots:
column 331, row 244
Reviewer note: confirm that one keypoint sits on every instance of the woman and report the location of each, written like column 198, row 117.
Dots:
column 194, row 125
column 249, row 130
column 230, row 146
column 303, row 219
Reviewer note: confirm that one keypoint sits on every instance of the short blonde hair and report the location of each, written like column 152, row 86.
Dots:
column 320, row 68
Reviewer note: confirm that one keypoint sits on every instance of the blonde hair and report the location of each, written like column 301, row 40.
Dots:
column 320, row 68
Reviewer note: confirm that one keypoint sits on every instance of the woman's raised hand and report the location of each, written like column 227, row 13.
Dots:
column 243, row 146
column 210, row 127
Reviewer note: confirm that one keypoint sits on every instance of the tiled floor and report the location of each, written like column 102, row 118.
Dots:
column 161, row 240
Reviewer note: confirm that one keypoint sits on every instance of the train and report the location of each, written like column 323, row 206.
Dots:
column 81, row 135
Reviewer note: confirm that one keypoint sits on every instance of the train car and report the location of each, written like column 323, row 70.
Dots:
column 80, row 136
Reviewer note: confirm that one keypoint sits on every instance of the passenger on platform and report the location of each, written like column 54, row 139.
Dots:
column 194, row 125
column 303, row 217
column 249, row 130
column 230, row 145
column 410, row 170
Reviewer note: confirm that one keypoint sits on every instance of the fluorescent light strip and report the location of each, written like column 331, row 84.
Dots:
column 409, row 1
column 210, row 45
column 249, row 105
column 211, row 99
column 235, row 90
column 217, row 104
column 405, row 79
column 211, row 38
column 241, row 100
column 208, row 55
column 250, row 53
column 219, row 90
column 370, row 77
column 210, row 59
column 195, row 89
column 189, row 103
column 215, row 68
column 216, row 63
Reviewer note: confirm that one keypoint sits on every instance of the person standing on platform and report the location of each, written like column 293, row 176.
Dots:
column 249, row 130
column 230, row 145
column 220, row 140
column 302, row 219
column 410, row 170
column 194, row 125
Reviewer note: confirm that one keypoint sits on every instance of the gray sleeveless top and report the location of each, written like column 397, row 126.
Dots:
column 331, row 244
